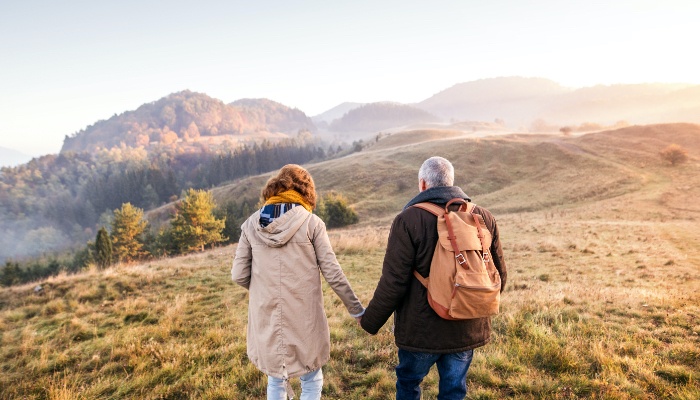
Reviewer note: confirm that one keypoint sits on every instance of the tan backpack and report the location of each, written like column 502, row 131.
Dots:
column 463, row 284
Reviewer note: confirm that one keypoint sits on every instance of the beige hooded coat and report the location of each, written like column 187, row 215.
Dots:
column 279, row 264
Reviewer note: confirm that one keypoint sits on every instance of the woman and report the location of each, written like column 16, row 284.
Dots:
column 281, row 249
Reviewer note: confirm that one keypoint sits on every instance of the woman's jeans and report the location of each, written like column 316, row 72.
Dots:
column 414, row 366
column 311, row 385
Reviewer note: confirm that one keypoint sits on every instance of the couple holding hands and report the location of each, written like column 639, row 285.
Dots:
column 282, row 248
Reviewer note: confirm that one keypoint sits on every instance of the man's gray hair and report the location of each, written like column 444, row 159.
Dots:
column 437, row 171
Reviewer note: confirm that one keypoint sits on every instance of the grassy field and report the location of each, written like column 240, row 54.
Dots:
column 603, row 296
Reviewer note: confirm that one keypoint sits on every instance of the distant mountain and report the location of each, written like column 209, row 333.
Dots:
column 509, row 98
column 636, row 103
column 336, row 112
column 377, row 116
column 188, row 117
column 11, row 158
column 274, row 116
column 519, row 101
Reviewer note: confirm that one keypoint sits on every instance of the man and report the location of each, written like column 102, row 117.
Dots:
column 424, row 338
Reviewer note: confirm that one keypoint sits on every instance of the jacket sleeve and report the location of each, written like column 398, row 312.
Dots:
column 242, row 262
column 497, row 254
column 332, row 272
column 397, row 272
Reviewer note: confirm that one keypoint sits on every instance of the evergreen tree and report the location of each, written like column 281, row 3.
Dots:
column 128, row 226
column 103, row 248
column 11, row 274
column 194, row 225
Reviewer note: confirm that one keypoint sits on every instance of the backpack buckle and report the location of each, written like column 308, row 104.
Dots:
column 460, row 259
column 486, row 257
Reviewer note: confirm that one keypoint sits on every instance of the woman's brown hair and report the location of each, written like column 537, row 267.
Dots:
column 292, row 177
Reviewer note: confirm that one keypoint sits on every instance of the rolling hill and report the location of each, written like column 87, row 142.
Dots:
column 373, row 117
column 194, row 121
column 335, row 112
column 600, row 237
column 552, row 170
column 273, row 116
column 188, row 118
column 520, row 101
column 11, row 158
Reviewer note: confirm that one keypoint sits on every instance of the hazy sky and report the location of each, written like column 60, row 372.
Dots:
column 66, row 64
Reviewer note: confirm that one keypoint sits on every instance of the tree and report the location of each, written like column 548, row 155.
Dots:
column 674, row 154
column 194, row 224
column 128, row 226
column 333, row 209
column 11, row 274
column 566, row 130
column 234, row 214
column 103, row 248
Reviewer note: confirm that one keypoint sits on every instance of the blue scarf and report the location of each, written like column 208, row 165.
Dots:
column 438, row 195
column 271, row 212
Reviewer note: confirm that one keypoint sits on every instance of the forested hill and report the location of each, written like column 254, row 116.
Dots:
column 57, row 202
column 275, row 117
column 377, row 116
column 189, row 119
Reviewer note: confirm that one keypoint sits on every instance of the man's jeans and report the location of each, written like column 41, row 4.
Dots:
column 311, row 386
column 414, row 366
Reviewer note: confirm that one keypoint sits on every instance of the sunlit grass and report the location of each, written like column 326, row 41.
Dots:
column 615, row 321
column 602, row 300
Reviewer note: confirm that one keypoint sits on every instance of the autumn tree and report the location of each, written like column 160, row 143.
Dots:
column 674, row 154
column 128, row 227
column 103, row 248
column 194, row 224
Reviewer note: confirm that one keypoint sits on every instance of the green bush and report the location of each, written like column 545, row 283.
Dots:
column 333, row 209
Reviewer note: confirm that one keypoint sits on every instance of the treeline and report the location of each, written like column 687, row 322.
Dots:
column 197, row 223
column 58, row 200
column 154, row 185
column 130, row 238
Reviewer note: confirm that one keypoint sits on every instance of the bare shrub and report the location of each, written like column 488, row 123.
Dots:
column 674, row 154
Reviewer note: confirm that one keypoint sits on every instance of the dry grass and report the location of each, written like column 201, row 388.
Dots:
column 611, row 320
column 603, row 296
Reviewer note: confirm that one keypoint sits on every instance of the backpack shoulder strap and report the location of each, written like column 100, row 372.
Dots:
column 478, row 221
column 470, row 207
column 437, row 211
column 431, row 208
column 423, row 281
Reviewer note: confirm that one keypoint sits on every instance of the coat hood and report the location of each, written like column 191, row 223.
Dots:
column 282, row 229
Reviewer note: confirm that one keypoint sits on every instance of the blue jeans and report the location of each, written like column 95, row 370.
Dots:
column 414, row 366
column 311, row 386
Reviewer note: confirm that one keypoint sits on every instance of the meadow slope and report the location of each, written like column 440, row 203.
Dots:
column 603, row 300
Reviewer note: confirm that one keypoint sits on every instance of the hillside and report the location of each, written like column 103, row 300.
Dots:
column 602, row 301
column 188, row 118
column 11, row 158
column 520, row 101
column 374, row 117
column 275, row 117
column 336, row 112
column 498, row 170
column 510, row 98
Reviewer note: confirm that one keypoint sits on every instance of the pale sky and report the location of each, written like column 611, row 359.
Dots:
column 66, row 64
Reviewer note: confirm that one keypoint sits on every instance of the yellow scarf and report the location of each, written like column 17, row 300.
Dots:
column 289, row 196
